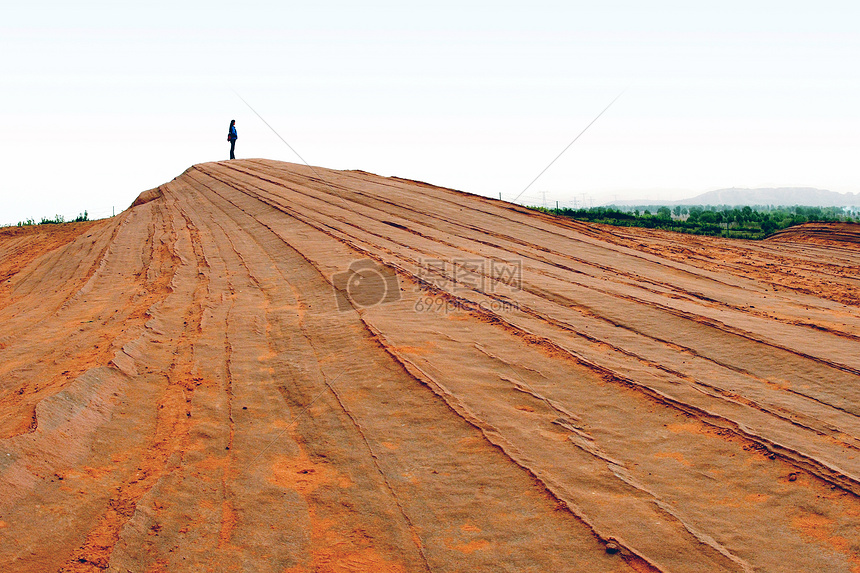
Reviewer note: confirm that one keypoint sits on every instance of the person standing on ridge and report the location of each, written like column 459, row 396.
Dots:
column 232, row 136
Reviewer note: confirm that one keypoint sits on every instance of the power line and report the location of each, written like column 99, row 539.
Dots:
column 568, row 145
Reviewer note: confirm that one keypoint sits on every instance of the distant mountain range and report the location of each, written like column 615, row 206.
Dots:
column 806, row 196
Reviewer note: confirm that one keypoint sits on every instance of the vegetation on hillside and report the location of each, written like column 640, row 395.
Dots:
column 722, row 220
column 55, row 221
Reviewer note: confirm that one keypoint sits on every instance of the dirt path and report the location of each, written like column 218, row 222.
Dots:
column 200, row 384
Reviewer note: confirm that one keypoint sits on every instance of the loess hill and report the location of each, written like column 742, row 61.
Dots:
column 267, row 367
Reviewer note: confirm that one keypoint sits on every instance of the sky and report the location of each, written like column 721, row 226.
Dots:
column 103, row 100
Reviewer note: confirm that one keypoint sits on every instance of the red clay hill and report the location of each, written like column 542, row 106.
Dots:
column 268, row 367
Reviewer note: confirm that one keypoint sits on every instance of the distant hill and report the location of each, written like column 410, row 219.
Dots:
column 807, row 196
column 830, row 233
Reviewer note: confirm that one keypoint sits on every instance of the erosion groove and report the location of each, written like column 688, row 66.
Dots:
column 262, row 366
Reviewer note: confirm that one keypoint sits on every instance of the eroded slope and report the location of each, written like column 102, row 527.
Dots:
column 185, row 389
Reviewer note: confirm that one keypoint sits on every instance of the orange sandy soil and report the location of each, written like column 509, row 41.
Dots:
column 181, row 389
column 838, row 234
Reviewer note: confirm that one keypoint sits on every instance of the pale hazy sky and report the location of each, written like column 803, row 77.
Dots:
column 102, row 100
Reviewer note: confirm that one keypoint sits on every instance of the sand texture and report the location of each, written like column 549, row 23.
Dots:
column 218, row 380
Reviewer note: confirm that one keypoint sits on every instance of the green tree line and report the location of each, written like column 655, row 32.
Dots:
column 722, row 220
column 58, row 219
